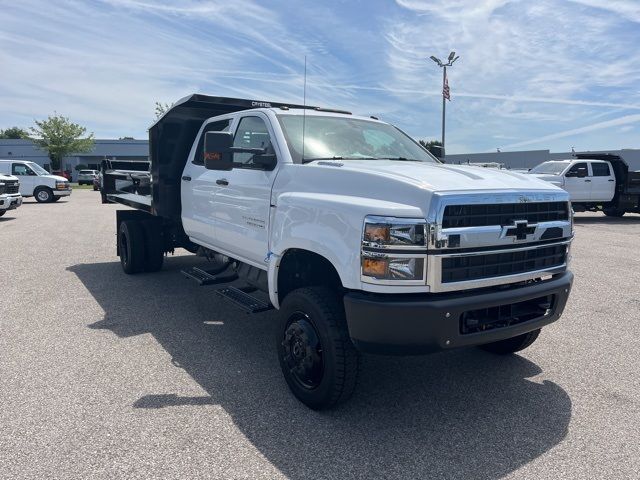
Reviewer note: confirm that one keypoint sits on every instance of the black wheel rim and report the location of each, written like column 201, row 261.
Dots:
column 303, row 351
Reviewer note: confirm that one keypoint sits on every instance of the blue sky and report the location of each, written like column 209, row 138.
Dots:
column 531, row 74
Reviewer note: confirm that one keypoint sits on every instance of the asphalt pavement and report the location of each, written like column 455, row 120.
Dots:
column 110, row 376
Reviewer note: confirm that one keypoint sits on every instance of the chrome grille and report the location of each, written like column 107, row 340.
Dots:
column 480, row 215
column 12, row 187
column 478, row 266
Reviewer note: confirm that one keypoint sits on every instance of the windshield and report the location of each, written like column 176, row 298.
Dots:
column 550, row 168
column 38, row 169
column 344, row 138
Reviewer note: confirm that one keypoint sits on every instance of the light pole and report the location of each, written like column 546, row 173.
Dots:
column 452, row 58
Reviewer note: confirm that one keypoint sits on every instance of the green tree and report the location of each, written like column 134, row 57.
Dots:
column 161, row 109
column 14, row 133
column 60, row 137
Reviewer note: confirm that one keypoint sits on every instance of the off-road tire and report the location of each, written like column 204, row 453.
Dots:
column 512, row 345
column 154, row 246
column 321, row 308
column 613, row 212
column 131, row 247
column 43, row 195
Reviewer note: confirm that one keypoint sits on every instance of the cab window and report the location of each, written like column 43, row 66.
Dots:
column 600, row 169
column 252, row 132
column 573, row 171
column 221, row 126
column 21, row 169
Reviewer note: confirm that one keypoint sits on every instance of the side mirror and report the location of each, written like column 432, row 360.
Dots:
column 217, row 151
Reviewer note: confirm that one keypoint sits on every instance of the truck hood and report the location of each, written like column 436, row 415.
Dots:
column 439, row 177
column 548, row 177
column 57, row 178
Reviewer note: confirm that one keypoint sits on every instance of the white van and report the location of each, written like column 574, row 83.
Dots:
column 35, row 181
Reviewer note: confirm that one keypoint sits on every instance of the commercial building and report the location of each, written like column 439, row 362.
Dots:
column 129, row 149
column 530, row 158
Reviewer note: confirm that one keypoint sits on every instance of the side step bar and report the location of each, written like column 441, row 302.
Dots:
column 242, row 299
column 210, row 277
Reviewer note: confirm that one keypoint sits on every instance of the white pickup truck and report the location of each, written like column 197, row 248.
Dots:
column 35, row 181
column 10, row 197
column 595, row 182
column 362, row 239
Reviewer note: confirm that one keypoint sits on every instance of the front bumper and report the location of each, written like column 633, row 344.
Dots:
column 62, row 193
column 9, row 202
column 424, row 323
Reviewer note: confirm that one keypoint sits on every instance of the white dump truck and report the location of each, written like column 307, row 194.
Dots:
column 361, row 239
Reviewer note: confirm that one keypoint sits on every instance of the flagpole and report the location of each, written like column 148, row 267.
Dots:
column 452, row 58
column 444, row 103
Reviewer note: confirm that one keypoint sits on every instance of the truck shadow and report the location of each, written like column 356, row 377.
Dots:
column 628, row 219
column 459, row 414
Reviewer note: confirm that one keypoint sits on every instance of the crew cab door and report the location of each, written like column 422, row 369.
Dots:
column 578, row 182
column 28, row 178
column 603, row 182
column 198, row 189
column 243, row 201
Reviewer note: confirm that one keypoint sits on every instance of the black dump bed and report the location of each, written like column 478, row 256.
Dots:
column 171, row 138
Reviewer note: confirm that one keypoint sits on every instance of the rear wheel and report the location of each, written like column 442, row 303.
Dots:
column 131, row 247
column 43, row 195
column 613, row 212
column 512, row 345
column 154, row 246
column 317, row 358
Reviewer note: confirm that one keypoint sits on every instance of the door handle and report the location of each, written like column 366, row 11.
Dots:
column 186, row 178
column 222, row 181
column 611, row 180
column 587, row 180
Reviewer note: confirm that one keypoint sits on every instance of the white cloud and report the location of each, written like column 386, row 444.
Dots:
column 625, row 120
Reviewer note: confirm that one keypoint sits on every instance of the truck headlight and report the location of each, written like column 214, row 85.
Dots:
column 394, row 250
column 392, row 268
column 389, row 232
column 61, row 185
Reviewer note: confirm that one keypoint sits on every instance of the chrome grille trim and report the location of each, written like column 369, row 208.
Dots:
column 486, row 236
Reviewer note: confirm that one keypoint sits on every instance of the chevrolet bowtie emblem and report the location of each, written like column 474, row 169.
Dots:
column 519, row 230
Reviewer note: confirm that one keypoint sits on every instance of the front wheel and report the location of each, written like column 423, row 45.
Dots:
column 317, row 358
column 512, row 345
column 43, row 195
column 55, row 199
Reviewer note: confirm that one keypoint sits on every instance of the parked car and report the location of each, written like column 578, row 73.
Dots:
column 87, row 177
column 363, row 240
column 35, row 181
column 595, row 182
column 10, row 197
column 96, row 182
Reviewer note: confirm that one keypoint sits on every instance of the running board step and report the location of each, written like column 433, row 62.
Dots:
column 242, row 299
column 204, row 277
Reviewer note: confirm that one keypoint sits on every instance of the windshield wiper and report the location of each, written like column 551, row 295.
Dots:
column 402, row 159
column 336, row 157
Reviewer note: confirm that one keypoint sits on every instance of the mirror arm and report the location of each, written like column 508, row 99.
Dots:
column 255, row 151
